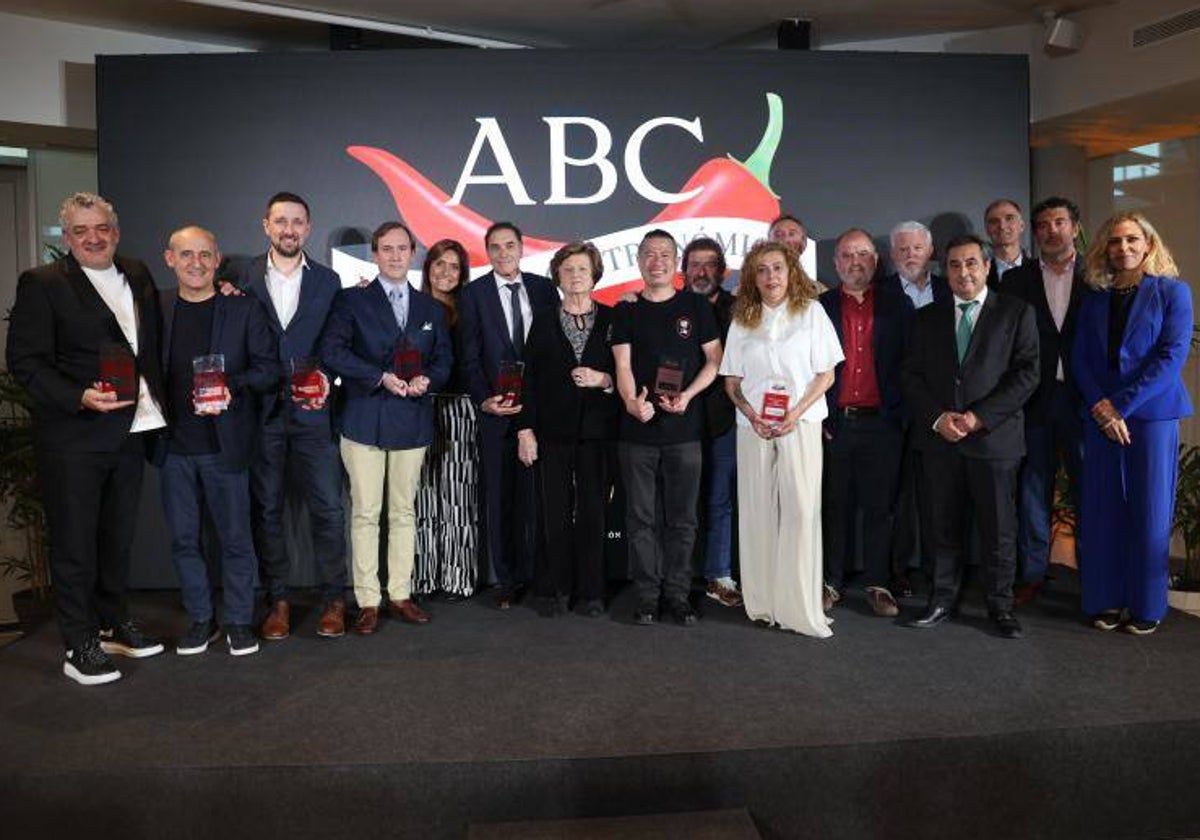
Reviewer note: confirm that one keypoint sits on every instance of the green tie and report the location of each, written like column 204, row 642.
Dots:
column 965, row 325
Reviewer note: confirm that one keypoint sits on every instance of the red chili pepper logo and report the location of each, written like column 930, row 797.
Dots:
column 729, row 191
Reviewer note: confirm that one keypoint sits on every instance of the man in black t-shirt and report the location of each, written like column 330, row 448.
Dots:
column 667, row 349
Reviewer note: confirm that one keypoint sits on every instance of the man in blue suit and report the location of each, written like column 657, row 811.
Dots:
column 391, row 346
column 297, row 294
column 864, row 432
column 494, row 316
column 206, row 454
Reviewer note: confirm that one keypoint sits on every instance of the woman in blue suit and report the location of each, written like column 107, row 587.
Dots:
column 1131, row 343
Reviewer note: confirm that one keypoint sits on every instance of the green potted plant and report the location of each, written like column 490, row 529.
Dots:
column 1185, row 583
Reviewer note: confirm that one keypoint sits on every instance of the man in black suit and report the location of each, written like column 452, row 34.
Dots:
column 864, row 431
column 912, row 261
column 205, row 457
column 971, row 366
column 1053, row 285
column 495, row 312
column 84, row 340
column 1004, row 225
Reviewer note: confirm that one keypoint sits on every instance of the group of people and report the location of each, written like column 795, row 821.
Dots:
column 492, row 418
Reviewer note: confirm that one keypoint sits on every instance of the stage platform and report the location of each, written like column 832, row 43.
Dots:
column 484, row 717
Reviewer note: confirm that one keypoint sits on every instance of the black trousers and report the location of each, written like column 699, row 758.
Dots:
column 91, row 501
column 957, row 486
column 862, row 470
column 510, row 515
column 573, row 486
column 912, row 532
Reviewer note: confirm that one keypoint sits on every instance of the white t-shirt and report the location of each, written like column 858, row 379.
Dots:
column 791, row 348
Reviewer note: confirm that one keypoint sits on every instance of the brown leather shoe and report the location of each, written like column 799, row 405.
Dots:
column 333, row 620
column 882, row 602
column 277, row 624
column 406, row 610
column 367, row 621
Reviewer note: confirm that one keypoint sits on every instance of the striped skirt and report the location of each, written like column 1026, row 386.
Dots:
column 447, row 551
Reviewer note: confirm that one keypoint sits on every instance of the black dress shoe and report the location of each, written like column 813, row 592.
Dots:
column 933, row 618
column 1007, row 625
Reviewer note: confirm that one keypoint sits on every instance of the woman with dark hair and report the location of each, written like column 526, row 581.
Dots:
column 1132, row 339
column 448, row 499
column 568, row 417
column 778, row 364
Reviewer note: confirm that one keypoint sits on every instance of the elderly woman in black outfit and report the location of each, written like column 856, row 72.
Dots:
column 568, row 417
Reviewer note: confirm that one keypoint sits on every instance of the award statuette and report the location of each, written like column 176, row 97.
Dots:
column 406, row 359
column 306, row 379
column 117, row 372
column 668, row 379
column 509, row 383
column 776, row 400
column 208, row 383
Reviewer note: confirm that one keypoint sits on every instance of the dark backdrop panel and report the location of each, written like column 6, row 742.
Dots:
column 867, row 140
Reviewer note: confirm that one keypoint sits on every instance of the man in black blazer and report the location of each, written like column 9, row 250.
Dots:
column 971, row 366
column 206, row 455
column 1004, row 225
column 495, row 312
column 298, row 437
column 864, row 431
column 83, row 338
column 1053, row 285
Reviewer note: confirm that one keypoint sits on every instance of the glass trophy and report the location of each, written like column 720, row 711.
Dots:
column 776, row 401
column 509, row 383
column 306, row 379
column 668, row 379
column 406, row 359
column 208, row 384
column 118, row 373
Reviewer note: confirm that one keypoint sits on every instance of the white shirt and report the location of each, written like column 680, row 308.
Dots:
column 114, row 290
column 920, row 297
column 975, row 313
column 506, row 303
column 793, row 348
column 1058, row 296
column 284, row 289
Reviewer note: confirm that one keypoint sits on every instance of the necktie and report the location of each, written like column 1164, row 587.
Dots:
column 518, row 320
column 965, row 325
column 398, row 307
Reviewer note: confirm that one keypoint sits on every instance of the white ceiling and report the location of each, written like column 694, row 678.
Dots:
column 646, row 24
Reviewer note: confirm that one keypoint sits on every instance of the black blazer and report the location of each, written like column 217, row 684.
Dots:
column 1025, row 282
column 996, row 377
column 996, row 279
column 58, row 325
column 552, row 405
column 941, row 288
column 241, row 333
column 892, row 325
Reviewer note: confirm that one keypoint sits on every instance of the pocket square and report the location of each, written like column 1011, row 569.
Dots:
column 428, row 325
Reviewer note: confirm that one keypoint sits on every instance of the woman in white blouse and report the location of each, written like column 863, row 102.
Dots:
column 778, row 363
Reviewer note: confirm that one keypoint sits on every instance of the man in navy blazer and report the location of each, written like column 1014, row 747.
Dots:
column 1053, row 285
column 390, row 345
column 494, row 316
column 864, row 431
column 297, row 293
column 971, row 366
column 206, row 454
column 89, row 440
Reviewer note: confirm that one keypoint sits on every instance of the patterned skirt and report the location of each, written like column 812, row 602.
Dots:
column 447, row 550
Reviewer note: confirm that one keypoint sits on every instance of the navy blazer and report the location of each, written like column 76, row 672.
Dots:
column 58, row 324
column 301, row 339
column 486, row 341
column 240, row 333
column 1148, row 384
column 941, row 287
column 893, row 320
column 995, row 379
column 359, row 342
column 1025, row 281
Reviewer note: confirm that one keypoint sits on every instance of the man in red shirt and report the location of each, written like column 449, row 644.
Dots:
column 864, row 431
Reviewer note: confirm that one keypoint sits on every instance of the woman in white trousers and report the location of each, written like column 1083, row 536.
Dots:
column 778, row 364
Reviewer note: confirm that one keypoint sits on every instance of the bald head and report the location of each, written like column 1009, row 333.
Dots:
column 193, row 255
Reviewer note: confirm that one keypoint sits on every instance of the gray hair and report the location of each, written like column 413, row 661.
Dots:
column 909, row 227
column 86, row 201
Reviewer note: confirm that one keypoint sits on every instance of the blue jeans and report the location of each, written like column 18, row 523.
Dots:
column 188, row 483
column 721, row 483
column 1062, row 431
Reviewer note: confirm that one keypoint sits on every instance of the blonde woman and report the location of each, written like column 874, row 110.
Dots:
column 778, row 364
